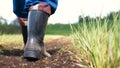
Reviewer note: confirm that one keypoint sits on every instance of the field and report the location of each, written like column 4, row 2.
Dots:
column 57, row 41
column 11, row 50
column 91, row 44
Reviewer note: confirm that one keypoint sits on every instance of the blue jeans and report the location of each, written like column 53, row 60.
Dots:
column 20, row 7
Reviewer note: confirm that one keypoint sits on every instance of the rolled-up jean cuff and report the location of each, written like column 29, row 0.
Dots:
column 42, row 7
column 53, row 4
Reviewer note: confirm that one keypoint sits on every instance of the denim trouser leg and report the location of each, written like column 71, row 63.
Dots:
column 18, row 8
column 52, row 3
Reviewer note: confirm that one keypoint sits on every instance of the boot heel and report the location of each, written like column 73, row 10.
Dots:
column 31, row 55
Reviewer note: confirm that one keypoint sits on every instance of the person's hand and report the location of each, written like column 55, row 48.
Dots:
column 22, row 21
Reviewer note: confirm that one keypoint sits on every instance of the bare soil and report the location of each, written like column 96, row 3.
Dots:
column 59, row 47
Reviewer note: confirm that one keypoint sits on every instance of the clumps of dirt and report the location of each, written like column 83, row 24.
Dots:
column 62, row 57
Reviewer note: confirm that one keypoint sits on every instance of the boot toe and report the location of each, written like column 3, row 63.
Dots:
column 31, row 55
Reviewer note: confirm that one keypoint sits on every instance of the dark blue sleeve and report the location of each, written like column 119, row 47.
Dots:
column 18, row 8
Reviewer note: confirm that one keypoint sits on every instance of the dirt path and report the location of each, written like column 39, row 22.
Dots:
column 62, row 56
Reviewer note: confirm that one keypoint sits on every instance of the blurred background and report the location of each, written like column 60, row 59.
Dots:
column 68, row 11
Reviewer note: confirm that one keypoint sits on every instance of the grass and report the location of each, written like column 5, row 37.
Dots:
column 15, row 40
column 98, row 41
column 54, row 29
column 58, row 29
column 11, row 40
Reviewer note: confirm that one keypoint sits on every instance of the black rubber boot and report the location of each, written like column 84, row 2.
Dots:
column 23, row 24
column 24, row 33
column 37, row 21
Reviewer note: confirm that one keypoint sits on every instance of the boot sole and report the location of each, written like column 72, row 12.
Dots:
column 31, row 55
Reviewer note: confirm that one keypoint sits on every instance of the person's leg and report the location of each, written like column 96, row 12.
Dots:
column 23, row 24
column 37, row 20
column 18, row 9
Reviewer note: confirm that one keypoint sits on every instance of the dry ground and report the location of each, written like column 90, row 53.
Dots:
column 60, row 47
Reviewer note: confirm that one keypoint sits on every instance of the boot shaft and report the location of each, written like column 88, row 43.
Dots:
column 37, row 21
column 24, row 33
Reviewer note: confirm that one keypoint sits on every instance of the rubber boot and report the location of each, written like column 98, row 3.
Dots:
column 37, row 21
column 22, row 22
column 24, row 33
